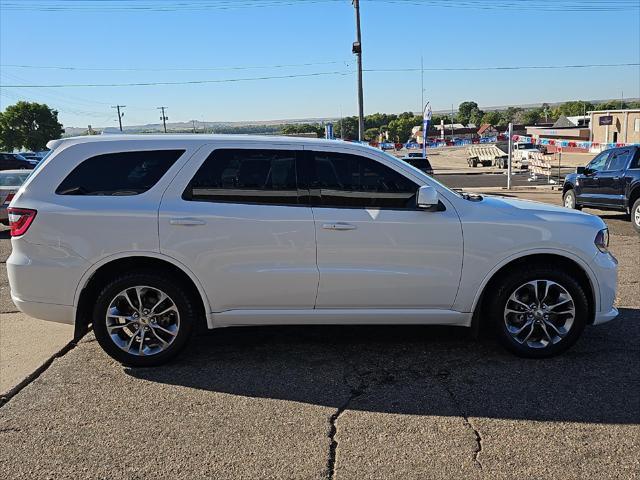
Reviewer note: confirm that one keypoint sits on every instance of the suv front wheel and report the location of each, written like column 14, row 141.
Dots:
column 569, row 200
column 539, row 312
column 635, row 215
column 143, row 320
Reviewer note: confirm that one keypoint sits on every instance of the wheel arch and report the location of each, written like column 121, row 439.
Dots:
column 91, row 282
column 569, row 263
column 634, row 194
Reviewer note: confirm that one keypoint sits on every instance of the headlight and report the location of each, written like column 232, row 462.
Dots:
column 602, row 240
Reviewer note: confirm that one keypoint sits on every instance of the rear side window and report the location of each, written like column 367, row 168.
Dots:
column 123, row 173
column 246, row 176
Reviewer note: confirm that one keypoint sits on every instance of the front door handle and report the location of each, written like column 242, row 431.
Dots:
column 186, row 221
column 338, row 226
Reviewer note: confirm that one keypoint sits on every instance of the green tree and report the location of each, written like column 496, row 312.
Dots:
column 400, row 129
column 371, row 134
column 528, row 117
column 28, row 125
column 468, row 112
column 574, row 108
column 346, row 128
column 509, row 115
column 293, row 129
column 492, row 118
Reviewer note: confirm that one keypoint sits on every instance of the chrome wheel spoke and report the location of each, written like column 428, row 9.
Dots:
column 543, row 326
column 153, row 331
column 162, row 329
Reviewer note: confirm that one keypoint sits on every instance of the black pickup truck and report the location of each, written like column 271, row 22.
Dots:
column 611, row 181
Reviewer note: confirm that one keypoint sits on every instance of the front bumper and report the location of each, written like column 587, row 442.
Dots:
column 604, row 317
column 605, row 266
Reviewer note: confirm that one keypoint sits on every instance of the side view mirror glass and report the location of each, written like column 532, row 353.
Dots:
column 581, row 170
column 427, row 197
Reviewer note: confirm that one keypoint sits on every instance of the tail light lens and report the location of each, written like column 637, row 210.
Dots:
column 20, row 219
column 7, row 200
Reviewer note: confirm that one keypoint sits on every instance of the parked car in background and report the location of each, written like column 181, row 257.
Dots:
column 32, row 157
column 415, row 159
column 611, row 181
column 150, row 237
column 10, row 182
column 11, row 161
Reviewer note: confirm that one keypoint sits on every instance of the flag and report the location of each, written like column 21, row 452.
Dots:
column 425, row 127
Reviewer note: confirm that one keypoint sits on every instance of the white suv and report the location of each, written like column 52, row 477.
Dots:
column 145, row 237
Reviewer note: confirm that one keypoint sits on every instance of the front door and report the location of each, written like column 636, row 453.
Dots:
column 375, row 248
column 239, row 226
column 611, row 179
column 588, row 190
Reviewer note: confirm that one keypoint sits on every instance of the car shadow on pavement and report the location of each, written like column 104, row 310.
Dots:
column 418, row 371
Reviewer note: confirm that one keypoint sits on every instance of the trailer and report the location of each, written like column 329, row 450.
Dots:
column 486, row 155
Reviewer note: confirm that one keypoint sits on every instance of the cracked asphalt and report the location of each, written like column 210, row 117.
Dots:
column 341, row 402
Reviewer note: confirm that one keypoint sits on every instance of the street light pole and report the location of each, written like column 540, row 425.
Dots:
column 357, row 50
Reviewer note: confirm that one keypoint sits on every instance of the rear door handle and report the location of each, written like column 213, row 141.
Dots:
column 338, row 226
column 186, row 221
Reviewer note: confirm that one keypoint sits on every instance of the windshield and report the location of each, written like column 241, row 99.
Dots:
column 13, row 179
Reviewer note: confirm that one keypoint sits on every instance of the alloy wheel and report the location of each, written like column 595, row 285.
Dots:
column 636, row 216
column 539, row 313
column 568, row 201
column 142, row 320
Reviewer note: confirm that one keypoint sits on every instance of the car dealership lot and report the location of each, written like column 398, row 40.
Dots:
column 346, row 402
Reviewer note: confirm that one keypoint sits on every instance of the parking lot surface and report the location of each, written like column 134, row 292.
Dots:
column 341, row 402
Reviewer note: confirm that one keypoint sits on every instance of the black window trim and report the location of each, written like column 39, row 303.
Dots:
column 59, row 191
column 309, row 178
column 187, row 192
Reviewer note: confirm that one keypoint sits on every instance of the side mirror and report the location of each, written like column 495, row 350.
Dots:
column 427, row 197
column 581, row 170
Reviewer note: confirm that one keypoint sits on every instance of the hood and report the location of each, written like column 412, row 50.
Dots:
column 543, row 211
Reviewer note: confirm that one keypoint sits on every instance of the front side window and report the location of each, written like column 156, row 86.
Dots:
column 122, row 173
column 618, row 160
column 246, row 176
column 598, row 163
column 345, row 180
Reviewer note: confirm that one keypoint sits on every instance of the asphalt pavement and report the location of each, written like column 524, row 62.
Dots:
column 341, row 402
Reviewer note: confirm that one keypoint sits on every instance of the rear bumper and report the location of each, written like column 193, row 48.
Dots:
column 46, row 311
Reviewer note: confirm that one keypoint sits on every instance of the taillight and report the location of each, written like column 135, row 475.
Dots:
column 20, row 219
column 7, row 200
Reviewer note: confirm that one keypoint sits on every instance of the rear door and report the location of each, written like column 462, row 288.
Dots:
column 235, row 218
column 375, row 248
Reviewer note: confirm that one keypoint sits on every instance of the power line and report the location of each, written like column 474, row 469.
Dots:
column 194, row 5
column 188, row 82
column 168, row 69
column 320, row 74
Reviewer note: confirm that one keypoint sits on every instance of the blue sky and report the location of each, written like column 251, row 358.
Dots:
column 395, row 35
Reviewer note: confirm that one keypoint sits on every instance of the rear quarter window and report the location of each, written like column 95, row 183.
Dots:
column 122, row 173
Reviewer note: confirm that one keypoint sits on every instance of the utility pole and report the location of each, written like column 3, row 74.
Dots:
column 422, row 82
column 193, row 123
column 510, row 134
column 164, row 118
column 452, row 121
column 120, row 115
column 357, row 50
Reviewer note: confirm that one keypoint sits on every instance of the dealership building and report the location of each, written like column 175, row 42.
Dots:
column 615, row 126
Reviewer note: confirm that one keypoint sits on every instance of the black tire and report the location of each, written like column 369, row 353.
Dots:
column 515, row 279
column 184, row 303
column 635, row 215
column 569, row 200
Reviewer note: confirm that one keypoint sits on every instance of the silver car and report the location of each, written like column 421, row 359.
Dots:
column 10, row 182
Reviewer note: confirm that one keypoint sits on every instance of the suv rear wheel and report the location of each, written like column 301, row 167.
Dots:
column 142, row 320
column 539, row 312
